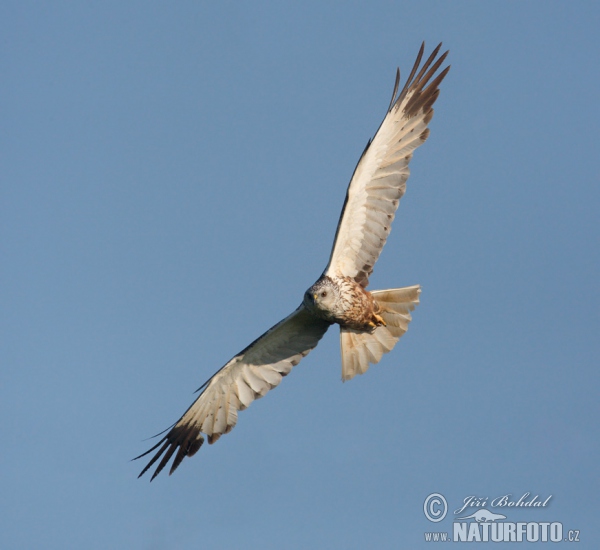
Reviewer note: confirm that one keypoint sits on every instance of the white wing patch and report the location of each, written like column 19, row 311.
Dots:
column 248, row 376
column 379, row 180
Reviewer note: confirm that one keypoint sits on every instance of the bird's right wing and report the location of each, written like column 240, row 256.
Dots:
column 379, row 179
column 248, row 376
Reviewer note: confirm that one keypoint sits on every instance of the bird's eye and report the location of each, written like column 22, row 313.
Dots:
column 323, row 294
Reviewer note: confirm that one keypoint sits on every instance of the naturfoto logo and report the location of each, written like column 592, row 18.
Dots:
column 474, row 521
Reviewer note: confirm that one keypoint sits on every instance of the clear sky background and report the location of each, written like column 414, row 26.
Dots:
column 171, row 178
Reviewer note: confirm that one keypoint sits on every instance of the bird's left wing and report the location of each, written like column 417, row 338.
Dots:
column 379, row 179
column 248, row 376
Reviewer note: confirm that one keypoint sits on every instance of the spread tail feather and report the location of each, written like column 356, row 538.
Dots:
column 360, row 348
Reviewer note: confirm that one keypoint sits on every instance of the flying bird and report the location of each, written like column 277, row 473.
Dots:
column 371, row 323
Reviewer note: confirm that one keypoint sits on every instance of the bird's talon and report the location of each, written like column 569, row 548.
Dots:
column 380, row 320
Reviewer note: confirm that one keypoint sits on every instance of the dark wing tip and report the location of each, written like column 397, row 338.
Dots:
column 396, row 86
column 423, row 92
column 183, row 439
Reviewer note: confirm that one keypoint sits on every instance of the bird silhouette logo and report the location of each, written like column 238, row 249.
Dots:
column 483, row 516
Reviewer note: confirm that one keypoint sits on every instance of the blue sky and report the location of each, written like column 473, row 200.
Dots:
column 171, row 179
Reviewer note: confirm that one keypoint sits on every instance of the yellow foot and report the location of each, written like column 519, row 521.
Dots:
column 379, row 320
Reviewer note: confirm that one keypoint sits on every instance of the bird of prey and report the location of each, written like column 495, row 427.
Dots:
column 370, row 322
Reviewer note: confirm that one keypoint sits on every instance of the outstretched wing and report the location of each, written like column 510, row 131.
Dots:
column 379, row 179
column 248, row 376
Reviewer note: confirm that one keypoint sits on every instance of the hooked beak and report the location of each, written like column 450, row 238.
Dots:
column 315, row 297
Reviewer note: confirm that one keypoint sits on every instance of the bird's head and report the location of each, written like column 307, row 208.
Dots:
column 323, row 295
